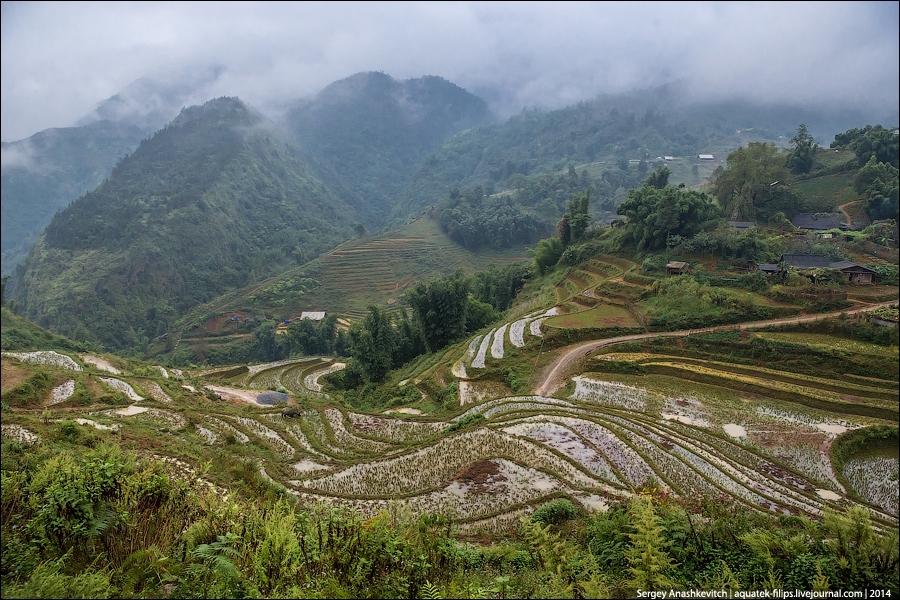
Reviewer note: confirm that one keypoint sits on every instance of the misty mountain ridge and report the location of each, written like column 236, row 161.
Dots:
column 222, row 196
column 46, row 172
column 371, row 132
column 153, row 100
column 211, row 202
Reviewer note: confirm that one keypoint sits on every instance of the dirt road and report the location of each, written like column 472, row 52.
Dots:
column 842, row 208
column 554, row 375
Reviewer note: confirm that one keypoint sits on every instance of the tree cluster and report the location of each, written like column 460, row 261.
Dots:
column 474, row 220
column 754, row 185
column 570, row 230
column 657, row 214
column 871, row 140
column 442, row 311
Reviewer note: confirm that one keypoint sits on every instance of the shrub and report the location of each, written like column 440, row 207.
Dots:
column 556, row 512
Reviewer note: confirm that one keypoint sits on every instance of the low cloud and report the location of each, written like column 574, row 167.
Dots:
column 61, row 60
column 17, row 155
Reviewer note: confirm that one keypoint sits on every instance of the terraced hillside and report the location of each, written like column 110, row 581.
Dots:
column 696, row 416
column 369, row 270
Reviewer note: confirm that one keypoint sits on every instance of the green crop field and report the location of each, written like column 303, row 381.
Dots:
column 604, row 315
column 371, row 270
column 825, row 194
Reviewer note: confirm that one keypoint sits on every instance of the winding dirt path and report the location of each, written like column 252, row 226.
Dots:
column 554, row 375
column 846, row 214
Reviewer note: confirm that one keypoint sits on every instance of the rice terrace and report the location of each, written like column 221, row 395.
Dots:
column 385, row 344
column 761, row 416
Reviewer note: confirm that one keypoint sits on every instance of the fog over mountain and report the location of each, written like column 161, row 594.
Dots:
column 139, row 63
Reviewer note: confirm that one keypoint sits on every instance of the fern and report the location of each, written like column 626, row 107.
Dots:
column 146, row 569
column 430, row 592
column 218, row 555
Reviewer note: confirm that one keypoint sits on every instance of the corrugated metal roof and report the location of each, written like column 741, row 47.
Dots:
column 816, row 222
column 846, row 264
column 805, row 261
column 314, row 315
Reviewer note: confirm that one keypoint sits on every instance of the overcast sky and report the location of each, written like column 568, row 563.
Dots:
column 60, row 60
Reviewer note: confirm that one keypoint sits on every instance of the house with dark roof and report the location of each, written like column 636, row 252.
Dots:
column 768, row 268
column 817, row 221
column 805, row 261
column 741, row 225
column 852, row 272
column 677, row 267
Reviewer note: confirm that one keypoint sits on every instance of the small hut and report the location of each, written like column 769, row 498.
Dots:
column 677, row 267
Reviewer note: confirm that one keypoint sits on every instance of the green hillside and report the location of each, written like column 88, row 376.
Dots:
column 606, row 132
column 44, row 173
column 212, row 202
column 718, row 447
column 369, row 133
column 374, row 269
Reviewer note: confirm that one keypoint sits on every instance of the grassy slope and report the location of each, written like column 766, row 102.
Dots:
column 374, row 269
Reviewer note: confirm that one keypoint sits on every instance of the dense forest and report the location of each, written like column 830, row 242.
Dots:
column 43, row 174
column 212, row 202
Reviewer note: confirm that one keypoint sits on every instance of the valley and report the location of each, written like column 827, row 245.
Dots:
column 445, row 357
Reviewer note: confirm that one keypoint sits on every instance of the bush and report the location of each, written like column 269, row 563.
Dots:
column 655, row 263
column 465, row 422
column 556, row 512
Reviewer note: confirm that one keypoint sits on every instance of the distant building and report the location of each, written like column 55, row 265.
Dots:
column 677, row 267
column 706, row 157
column 805, row 261
column 768, row 268
column 313, row 315
column 668, row 158
column 852, row 272
column 741, row 225
column 817, row 222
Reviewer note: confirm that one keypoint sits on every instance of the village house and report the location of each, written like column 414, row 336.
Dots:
column 851, row 271
column 741, row 226
column 817, row 222
column 313, row 315
column 677, row 267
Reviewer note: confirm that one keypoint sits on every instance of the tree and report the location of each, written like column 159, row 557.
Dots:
column 579, row 214
column 656, row 214
column 660, row 177
column 546, row 254
column 564, row 230
column 801, row 157
column 877, row 182
column 265, row 342
column 439, row 307
column 754, row 183
column 372, row 344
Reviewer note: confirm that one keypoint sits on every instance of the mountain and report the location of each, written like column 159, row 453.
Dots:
column 153, row 100
column 369, row 133
column 44, row 173
column 638, row 125
column 211, row 202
